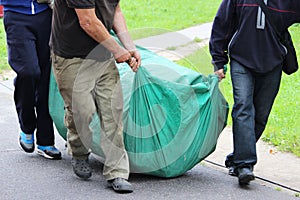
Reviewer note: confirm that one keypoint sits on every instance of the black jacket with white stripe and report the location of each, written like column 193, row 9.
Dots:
column 241, row 31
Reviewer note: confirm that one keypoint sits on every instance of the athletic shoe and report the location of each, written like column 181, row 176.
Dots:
column 50, row 152
column 230, row 165
column 26, row 142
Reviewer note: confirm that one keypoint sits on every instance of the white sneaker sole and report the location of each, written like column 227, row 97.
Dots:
column 42, row 153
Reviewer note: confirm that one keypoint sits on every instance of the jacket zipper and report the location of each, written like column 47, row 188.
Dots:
column 231, row 42
column 32, row 7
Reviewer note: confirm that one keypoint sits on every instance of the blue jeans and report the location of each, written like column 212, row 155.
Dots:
column 254, row 95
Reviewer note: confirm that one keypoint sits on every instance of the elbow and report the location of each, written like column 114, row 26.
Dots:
column 90, row 28
column 88, row 21
column 86, row 25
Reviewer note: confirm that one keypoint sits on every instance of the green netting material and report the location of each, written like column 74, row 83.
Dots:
column 172, row 116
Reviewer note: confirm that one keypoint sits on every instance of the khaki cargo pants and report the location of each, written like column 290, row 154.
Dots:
column 89, row 87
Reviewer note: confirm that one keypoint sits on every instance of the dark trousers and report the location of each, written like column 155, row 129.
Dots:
column 29, row 56
column 254, row 95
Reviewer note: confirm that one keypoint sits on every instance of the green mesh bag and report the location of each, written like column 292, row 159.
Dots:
column 172, row 116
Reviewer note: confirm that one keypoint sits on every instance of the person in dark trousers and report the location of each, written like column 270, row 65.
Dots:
column 84, row 56
column 242, row 34
column 28, row 25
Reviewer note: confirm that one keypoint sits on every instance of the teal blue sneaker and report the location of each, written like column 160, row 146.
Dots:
column 26, row 142
column 50, row 152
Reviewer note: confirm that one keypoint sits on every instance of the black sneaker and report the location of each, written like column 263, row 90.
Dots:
column 229, row 160
column 245, row 175
column 50, row 152
column 230, row 165
column 81, row 168
column 231, row 171
column 120, row 185
column 26, row 142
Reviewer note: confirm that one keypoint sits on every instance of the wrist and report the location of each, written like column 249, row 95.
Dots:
column 111, row 45
column 127, row 41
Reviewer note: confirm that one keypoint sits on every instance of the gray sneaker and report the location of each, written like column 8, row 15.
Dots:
column 120, row 185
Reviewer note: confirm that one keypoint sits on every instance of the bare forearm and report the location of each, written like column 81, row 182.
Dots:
column 121, row 30
column 96, row 30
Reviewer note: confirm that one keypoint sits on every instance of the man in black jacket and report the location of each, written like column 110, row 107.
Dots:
column 242, row 33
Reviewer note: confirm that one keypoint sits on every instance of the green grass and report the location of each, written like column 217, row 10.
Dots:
column 151, row 17
column 199, row 61
column 283, row 127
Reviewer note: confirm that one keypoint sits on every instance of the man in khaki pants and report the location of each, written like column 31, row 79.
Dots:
column 84, row 55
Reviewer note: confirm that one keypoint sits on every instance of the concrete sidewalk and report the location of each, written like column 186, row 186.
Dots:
column 29, row 176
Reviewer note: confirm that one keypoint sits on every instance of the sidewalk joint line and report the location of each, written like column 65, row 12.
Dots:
column 260, row 178
column 6, row 86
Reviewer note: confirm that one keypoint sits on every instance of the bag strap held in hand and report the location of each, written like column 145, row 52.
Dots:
column 265, row 9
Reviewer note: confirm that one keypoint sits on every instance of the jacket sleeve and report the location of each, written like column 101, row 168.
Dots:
column 224, row 26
